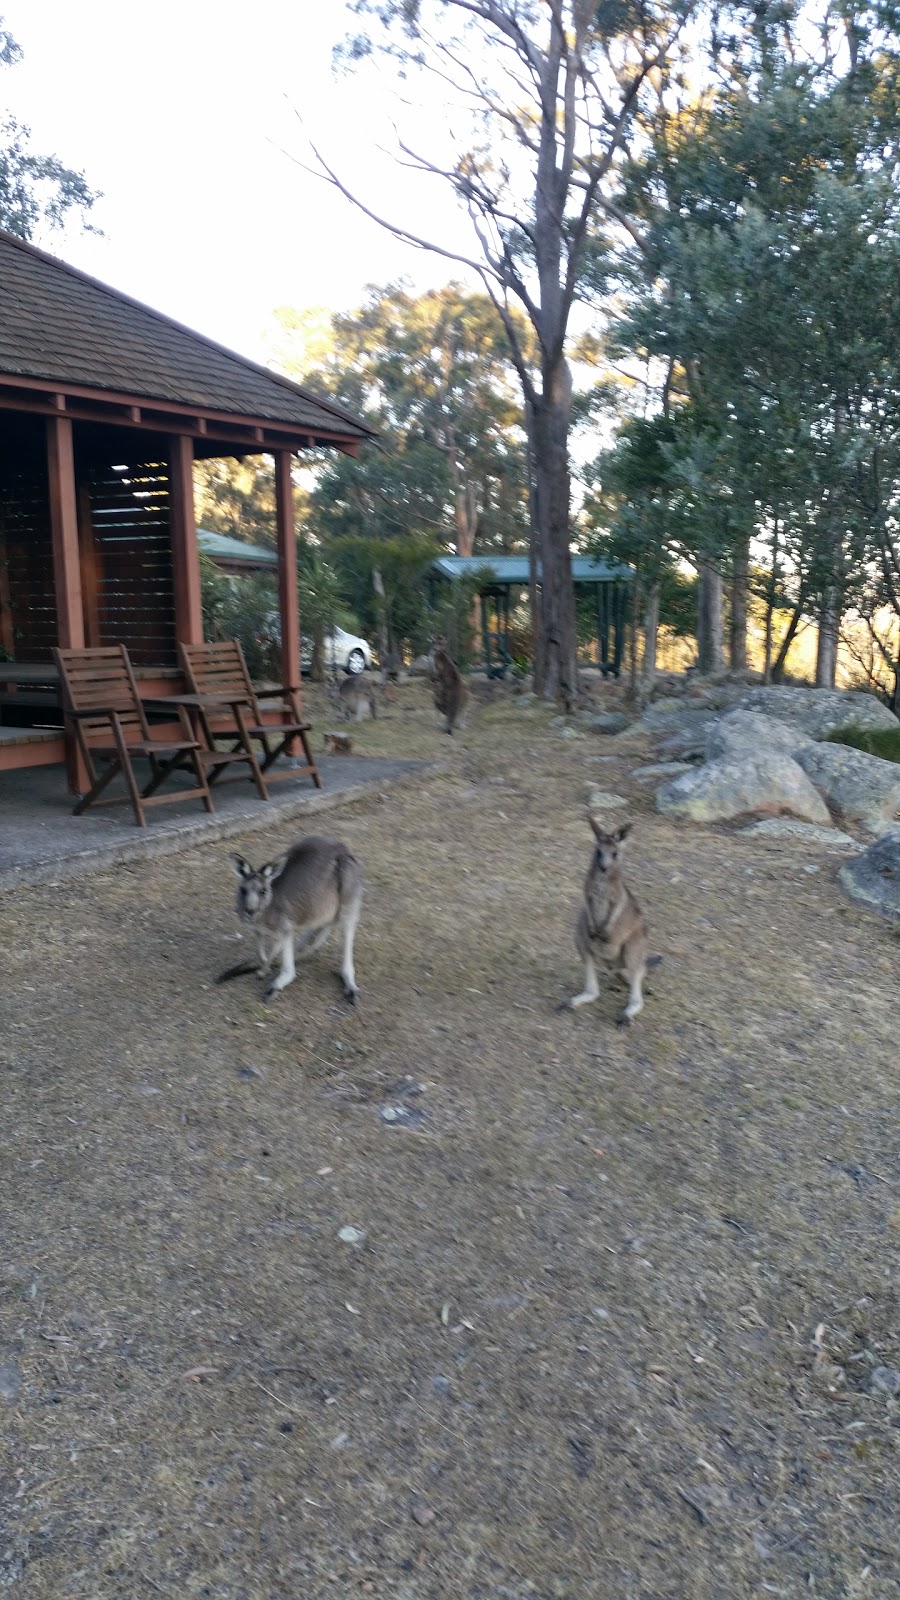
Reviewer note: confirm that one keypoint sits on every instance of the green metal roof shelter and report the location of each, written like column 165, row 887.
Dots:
column 497, row 576
column 234, row 555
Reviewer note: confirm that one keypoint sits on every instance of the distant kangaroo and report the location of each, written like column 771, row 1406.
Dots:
column 314, row 887
column 355, row 699
column 450, row 692
column 610, row 927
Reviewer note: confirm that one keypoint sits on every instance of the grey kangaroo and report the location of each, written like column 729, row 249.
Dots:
column 610, row 927
column 355, row 699
column 300, row 898
column 450, row 692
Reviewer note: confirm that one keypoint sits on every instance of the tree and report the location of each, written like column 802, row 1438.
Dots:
column 433, row 374
column 553, row 88
column 765, row 267
column 34, row 188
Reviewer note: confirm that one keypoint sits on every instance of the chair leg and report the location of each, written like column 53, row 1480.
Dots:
column 98, row 787
column 201, row 780
column 128, row 773
column 310, row 761
column 247, row 745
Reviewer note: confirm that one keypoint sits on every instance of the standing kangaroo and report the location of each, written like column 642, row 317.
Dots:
column 355, row 699
column 314, row 887
column 610, row 927
column 450, row 692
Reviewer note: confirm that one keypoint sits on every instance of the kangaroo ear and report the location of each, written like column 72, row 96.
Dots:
column 241, row 867
column 273, row 869
column 623, row 832
column 596, row 828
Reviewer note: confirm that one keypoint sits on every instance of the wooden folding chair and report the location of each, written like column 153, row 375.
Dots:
column 101, row 697
column 220, row 669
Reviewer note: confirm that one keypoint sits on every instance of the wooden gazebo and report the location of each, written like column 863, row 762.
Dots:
column 104, row 406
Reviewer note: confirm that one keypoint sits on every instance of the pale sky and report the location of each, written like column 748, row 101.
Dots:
column 180, row 112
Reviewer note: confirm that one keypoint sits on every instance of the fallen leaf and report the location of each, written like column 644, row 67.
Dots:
column 196, row 1373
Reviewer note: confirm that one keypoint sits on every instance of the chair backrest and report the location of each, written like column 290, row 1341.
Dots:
column 102, row 679
column 217, row 668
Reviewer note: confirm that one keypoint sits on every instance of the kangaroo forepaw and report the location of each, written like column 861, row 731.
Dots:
column 350, row 994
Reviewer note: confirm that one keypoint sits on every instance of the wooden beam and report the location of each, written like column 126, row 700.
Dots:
column 288, row 604
column 64, row 530
column 185, row 555
column 66, row 564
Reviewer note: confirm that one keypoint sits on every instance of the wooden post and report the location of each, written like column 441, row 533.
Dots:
column 185, row 556
column 66, row 564
column 288, row 604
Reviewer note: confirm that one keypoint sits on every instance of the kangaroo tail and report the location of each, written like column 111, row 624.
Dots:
column 237, row 971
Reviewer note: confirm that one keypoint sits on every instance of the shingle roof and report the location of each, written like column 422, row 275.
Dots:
column 514, row 569
column 59, row 325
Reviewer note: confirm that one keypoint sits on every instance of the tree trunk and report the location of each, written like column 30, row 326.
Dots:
column 740, row 576
column 558, row 678
column 829, row 627
column 772, row 590
column 778, row 668
column 534, row 551
column 709, row 620
column 651, row 633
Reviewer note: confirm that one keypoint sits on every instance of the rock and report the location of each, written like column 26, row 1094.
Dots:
column 767, row 781
column 874, row 877
column 806, row 832
column 350, row 1235
column 420, row 667
column 684, row 728
column 609, row 722
column 860, row 787
column 604, row 800
column 10, row 1381
column 745, row 732
column 423, row 1515
column 661, row 769
column 570, row 733
column 884, row 1380
column 402, row 1117
column 819, row 711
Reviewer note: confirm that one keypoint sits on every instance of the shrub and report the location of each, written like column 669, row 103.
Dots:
column 883, row 742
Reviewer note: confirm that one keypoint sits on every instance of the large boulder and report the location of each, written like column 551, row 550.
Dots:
column 743, row 733
column 818, row 712
column 874, row 876
column 765, row 781
column 862, row 788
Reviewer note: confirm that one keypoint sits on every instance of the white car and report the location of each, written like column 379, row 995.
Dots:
column 344, row 652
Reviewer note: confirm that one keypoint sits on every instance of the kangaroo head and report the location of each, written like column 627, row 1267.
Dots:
column 606, row 852
column 255, row 886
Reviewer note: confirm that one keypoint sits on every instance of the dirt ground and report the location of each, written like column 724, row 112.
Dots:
column 611, row 1327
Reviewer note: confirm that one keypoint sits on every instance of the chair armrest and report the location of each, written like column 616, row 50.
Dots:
column 277, row 694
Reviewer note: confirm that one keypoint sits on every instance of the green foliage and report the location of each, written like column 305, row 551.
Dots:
column 432, row 373
column 244, row 608
column 237, row 498
column 882, row 742
column 35, row 189
column 401, row 562
column 767, row 273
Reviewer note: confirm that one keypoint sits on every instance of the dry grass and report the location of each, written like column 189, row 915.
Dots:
column 581, row 1329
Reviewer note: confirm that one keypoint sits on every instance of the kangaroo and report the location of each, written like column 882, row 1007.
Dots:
column 355, row 698
column 450, row 692
column 314, row 887
column 610, row 927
